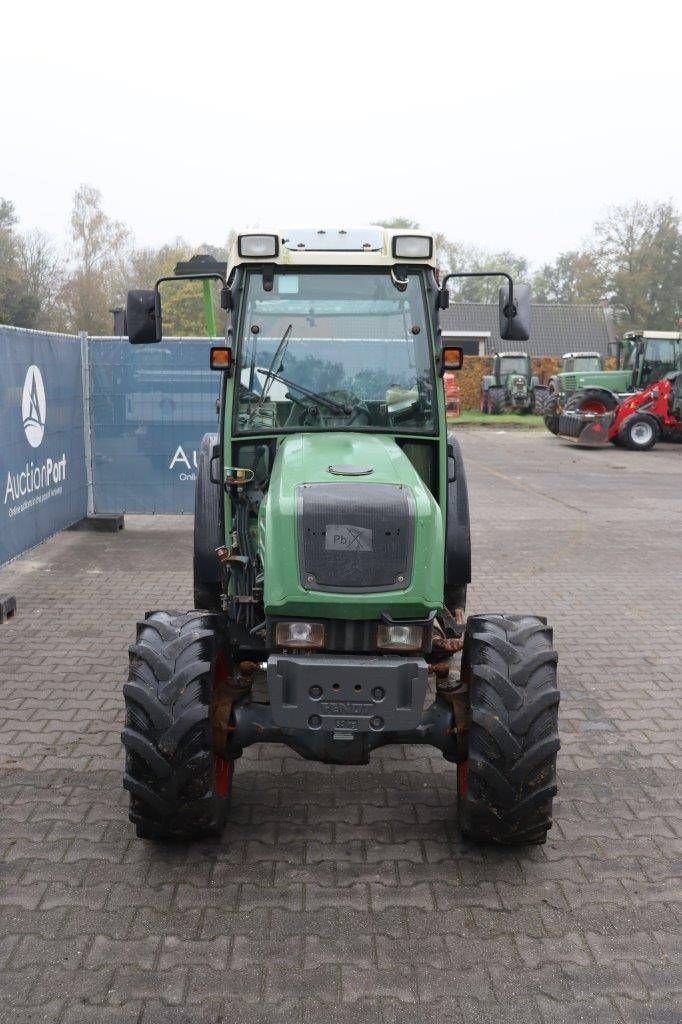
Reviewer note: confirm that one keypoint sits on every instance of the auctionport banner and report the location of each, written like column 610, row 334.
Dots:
column 150, row 405
column 43, row 485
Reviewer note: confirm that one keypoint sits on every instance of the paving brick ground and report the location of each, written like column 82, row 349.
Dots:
column 347, row 894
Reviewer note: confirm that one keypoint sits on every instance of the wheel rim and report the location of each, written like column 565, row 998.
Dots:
column 594, row 405
column 641, row 433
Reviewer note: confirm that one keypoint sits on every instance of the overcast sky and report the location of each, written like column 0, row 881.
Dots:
column 505, row 125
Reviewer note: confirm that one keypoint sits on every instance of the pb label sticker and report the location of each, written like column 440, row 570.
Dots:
column 340, row 537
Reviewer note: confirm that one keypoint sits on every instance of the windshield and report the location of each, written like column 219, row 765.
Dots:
column 583, row 364
column 658, row 351
column 514, row 364
column 334, row 350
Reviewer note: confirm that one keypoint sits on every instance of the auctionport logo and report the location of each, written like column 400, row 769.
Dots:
column 34, row 482
column 33, row 406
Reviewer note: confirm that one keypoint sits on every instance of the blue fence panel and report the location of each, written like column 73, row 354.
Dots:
column 150, row 405
column 42, row 457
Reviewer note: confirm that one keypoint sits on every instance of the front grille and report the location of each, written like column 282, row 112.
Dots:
column 355, row 537
column 569, row 382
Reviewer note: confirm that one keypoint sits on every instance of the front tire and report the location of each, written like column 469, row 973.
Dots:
column 639, row 433
column 496, row 400
column 178, row 788
column 507, row 786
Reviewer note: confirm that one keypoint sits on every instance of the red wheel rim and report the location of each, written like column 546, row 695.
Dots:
column 595, row 406
column 222, row 775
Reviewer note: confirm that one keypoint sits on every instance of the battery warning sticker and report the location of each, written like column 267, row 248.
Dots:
column 341, row 537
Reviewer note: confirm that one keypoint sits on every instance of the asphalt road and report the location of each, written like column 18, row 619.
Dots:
column 346, row 894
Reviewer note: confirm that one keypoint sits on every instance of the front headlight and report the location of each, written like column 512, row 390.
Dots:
column 299, row 634
column 397, row 637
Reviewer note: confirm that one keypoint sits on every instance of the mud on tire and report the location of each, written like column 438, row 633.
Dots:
column 510, row 666
column 178, row 789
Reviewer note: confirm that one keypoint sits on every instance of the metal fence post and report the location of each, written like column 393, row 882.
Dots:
column 87, row 425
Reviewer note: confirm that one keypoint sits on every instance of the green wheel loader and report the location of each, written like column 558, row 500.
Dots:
column 332, row 550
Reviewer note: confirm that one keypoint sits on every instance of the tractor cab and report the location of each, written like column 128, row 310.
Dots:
column 649, row 356
column 511, row 366
column 581, row 362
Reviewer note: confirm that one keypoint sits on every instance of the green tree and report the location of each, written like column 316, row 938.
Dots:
column 639, row 248
column 100, row 249
column 576, row 276
column 17, row 306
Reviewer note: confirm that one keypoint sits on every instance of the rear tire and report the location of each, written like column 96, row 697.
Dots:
column 596, row 400
column 541, row 399
column 551, row 415
column 178, row 788
column 483, row 402
column 496, row 401
column 639, row 433
column 506, row 790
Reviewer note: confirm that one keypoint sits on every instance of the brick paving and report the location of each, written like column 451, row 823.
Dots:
column 346, row 894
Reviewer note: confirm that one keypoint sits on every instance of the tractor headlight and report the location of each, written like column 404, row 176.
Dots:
column 258, row 246
column 412, row 247
column 398, row 637
column 299, row 634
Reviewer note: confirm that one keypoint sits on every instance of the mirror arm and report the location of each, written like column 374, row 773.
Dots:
column 510, row 311
column 182, row 277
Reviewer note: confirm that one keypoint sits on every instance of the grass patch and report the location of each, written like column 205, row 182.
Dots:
column 504, row 419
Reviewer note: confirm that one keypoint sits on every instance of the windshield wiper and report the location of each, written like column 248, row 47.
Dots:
column 330, row 403
column 269, row 374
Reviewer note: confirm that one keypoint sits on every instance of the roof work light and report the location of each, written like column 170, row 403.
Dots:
column 258, row 246
column 413, row 247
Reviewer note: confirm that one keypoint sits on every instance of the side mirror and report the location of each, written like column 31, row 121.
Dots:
column 143, row 316
column 515, row 319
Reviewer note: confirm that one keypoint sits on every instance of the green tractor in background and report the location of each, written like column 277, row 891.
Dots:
column 332, row 550
column 511, row 385
column 642, row 357
column 578, row 364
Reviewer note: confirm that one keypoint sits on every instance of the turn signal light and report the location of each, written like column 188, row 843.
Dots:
column 400, row 637
column 452, row 359
column 221, row 358
column 299, row 634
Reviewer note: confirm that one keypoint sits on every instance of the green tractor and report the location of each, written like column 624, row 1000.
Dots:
column 575, row 364
column 642, row 358
column 332, row 551
column 511, row 385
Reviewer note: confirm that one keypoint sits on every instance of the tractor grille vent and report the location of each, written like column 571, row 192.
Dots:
column 355, row 537
column 569, row 382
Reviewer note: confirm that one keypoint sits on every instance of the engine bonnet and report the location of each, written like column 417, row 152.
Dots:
column 348, row 529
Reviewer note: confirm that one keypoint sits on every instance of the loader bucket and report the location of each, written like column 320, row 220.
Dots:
column 588, row 430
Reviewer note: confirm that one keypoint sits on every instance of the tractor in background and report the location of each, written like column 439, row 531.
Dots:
column 578, row 364
column 511, row 385
column 637, row 422
column 644, row 357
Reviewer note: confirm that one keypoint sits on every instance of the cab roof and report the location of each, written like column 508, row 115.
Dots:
column 358, row 247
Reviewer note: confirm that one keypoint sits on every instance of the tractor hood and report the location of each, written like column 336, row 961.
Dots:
column 348, row 529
